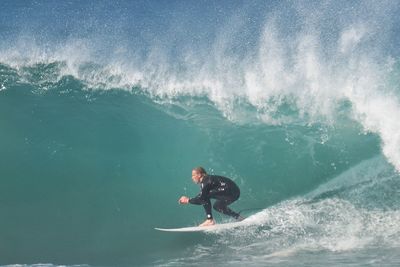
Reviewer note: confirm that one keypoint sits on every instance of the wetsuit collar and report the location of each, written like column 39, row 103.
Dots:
column 201, row 179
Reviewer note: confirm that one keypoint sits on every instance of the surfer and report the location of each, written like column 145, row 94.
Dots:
column 223, row 189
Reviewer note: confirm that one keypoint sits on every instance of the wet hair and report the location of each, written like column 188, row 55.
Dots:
column 200, row 170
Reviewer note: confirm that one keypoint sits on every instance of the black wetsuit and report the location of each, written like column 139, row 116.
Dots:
column 223, row 189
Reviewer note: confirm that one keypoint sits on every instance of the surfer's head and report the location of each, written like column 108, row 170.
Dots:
column 197, row 174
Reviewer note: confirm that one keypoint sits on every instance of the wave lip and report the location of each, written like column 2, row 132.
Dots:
column 299, row 70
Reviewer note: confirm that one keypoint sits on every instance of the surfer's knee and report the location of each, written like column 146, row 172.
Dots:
column 218, row 206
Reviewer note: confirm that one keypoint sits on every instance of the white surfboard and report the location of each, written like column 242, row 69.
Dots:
column 211, row 228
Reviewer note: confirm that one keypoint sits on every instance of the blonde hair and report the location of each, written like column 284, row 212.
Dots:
column 200, row 170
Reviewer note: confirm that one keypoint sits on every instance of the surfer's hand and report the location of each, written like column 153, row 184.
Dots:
column 183, row 200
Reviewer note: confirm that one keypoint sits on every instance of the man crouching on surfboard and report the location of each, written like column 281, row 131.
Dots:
column 223, row 189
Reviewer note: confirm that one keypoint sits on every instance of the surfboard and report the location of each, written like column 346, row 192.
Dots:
column 211, row 228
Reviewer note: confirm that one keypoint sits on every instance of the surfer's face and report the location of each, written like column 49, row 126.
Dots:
column 196, row 176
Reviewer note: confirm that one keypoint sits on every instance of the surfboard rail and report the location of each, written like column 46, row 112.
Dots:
column 210, row 228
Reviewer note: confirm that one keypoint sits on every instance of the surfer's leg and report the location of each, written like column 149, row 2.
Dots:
column 223, row 199
column 221, row 205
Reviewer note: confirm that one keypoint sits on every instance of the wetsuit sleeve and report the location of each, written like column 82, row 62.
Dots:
column 203, row 197
column 197, row 200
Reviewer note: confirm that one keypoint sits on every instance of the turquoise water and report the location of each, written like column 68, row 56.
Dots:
column 102, row 122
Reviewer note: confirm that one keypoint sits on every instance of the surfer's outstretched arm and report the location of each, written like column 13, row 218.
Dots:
column 198, row 200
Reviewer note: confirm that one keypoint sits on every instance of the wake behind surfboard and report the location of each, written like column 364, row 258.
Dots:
column 211, row 228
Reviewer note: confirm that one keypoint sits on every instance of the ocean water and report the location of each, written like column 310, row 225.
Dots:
column 105, row 108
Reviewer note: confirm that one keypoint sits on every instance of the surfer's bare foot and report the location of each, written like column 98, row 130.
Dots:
column 208, row 222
